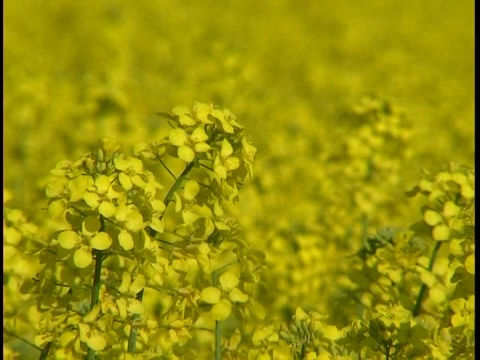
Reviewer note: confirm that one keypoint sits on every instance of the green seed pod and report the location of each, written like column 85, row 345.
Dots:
column 305, row 328
column 284, row 327
column 297, row 323
column 101, row 166
column 110, row 168
column 100, row 155
column 293, row 329
column 89, row 165
column 286, row 336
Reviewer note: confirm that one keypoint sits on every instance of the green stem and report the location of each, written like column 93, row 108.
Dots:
column 177, row 183
column 45, row 350
column 12, row 334
column 218, row 326
column 168, row 170
column 423, row 288
column 96, row 277
column 132, row 339
column 218, row 340
column 99, row 256
column 173, row 189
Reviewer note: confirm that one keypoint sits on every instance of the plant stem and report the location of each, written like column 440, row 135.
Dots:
column 177, row 183
column 96, row 278
column 12, row 334
column 423, row 288
column 132, row 339
column 99, row 256
column 45, row 350
column 169, row 197
column 218, row 325
column 218, row 340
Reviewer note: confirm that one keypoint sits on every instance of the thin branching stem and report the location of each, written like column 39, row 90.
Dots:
column 12, row 334
column 99, row 256
column 132, row 339
column 218, row 325
column 166, row 168
column 45, row 350
column 423, row 288
column 177, row 183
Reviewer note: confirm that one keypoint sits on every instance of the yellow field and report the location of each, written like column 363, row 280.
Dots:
column 303, row 78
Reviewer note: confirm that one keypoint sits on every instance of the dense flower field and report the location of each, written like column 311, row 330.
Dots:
column 239, row 180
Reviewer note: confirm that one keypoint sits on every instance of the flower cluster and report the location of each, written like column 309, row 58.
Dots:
column 406, row 299
column 121, row 251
